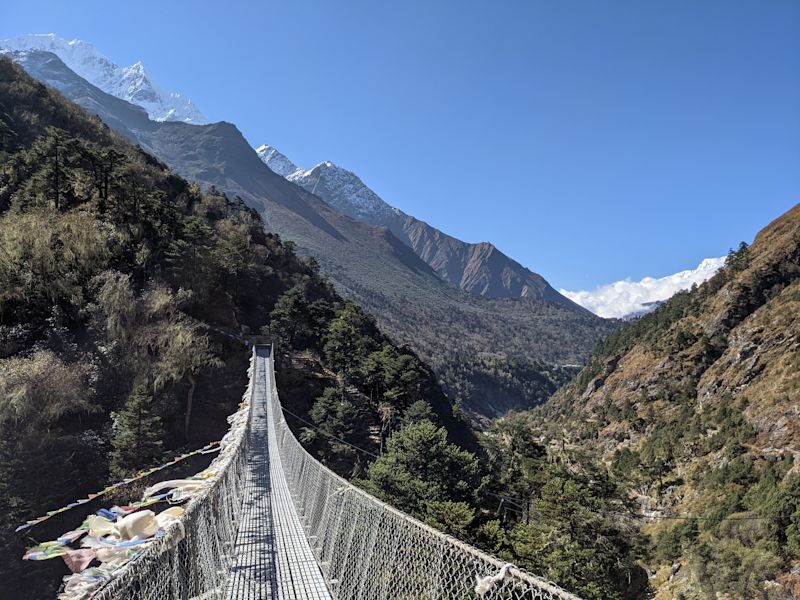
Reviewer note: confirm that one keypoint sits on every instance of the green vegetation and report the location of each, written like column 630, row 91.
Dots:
column 690, row 409
column 377, row 386
column 125, row 293
column 138, row 436
column 124, row 296
column 491, row 383
column 747, row 540
column 567, row 521
column 422, row 474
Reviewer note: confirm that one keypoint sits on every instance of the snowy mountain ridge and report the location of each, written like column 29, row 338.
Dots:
column 276, row 161
column 345, row 192
column 128, row 83
column 480, row 269
column 343, row 189
column 470, row 265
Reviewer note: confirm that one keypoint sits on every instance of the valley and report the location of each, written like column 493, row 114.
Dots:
column 468, row 428
column 492, row 353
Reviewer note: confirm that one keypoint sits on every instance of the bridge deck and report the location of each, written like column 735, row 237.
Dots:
column 272, row 557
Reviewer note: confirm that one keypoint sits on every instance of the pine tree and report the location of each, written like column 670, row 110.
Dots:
column 138, row 434
column 289, row 319
column 349, row 340
column 338, row 415
column 421, row 469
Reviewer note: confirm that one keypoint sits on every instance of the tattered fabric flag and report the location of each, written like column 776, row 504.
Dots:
column 78, row 560
column 45, row 551
column 72, row 536
column 207, row 449
column 134, row 506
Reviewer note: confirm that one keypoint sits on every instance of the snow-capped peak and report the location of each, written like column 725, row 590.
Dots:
column 343, row 190
column 339, row 187
column 129, row 83
column 276, row 161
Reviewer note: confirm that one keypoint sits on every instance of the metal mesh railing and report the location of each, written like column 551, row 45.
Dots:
column 369, row 550
column 366, row 549
column 191, row 560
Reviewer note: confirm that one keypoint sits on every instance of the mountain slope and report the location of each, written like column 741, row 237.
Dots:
column 492, row 355
column 126, row 299
column 128, row 83
column 480, row 269
column 696, row 405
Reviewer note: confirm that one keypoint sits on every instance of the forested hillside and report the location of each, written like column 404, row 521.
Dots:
column 490, row 354
column 695, row 408
column 121, row 280
column 125, row 297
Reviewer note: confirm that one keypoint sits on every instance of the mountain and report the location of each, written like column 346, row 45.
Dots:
column 480, row 269
column 628, row 299
column 276, row 161
column 491, row 354
column 695, row 406
column 128, row 83
column 125, row 294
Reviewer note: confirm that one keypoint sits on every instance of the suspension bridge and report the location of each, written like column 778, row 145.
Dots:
column 275, row 524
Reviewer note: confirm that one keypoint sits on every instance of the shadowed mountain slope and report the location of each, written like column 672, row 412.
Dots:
column 480, row 269
column 492, row 355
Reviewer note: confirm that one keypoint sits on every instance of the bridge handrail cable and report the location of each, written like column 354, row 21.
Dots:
column 366, row 549
column 369, row 549
column 191, row 561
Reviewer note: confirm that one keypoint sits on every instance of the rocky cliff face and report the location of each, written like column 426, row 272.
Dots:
column 480, row 268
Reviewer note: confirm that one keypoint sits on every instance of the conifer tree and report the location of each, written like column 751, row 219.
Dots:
column 138, row 433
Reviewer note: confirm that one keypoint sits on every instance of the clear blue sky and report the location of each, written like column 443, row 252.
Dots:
column 590, row 140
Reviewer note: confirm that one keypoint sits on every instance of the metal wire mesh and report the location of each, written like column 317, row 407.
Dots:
column 366, row 549
column 192, row 559
column 370, row 550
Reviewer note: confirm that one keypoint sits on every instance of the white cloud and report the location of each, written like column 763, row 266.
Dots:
column 625, row 298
